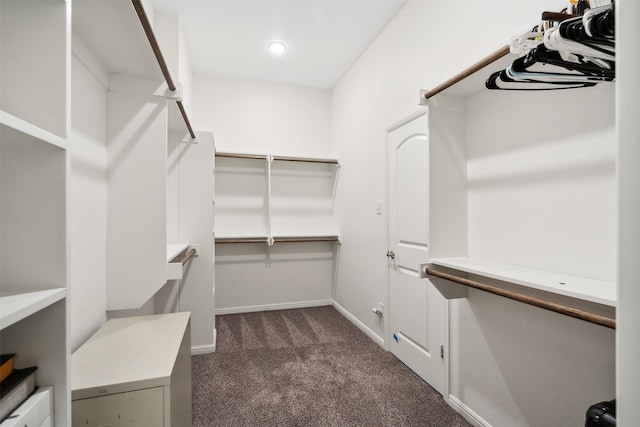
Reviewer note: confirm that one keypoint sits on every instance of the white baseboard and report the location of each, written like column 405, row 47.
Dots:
column 353, row 319
column 205, row 349
column 466, row 412
column 270, row 307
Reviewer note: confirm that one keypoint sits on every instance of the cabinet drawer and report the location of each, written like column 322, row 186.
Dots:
column 142, row 408
column 34, row 411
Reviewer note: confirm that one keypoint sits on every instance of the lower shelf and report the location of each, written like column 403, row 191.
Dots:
column 457, row 270
column 583, row 288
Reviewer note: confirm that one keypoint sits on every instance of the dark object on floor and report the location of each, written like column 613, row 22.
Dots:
column 602, row 414
column 309, row 367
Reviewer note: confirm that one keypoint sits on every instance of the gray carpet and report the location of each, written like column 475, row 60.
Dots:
column 307, row 367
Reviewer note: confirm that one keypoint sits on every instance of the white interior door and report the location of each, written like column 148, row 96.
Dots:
column 416, row 309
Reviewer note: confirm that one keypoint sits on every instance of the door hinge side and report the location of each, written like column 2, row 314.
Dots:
column 441, row 351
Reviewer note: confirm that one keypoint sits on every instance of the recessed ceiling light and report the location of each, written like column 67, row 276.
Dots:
column 277, row 47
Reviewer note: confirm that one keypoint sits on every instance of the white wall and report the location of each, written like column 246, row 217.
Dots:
column 87, row 195
column 510, row 365
column 263, row 118
column 266, row 118
column 628, row 374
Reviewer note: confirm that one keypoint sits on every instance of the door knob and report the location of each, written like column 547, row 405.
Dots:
column 391, row 254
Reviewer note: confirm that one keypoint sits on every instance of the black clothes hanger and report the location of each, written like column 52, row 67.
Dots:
column 577, row 52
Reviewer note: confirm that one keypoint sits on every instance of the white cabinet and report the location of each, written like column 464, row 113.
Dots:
column 34, row 39
column 134, row 369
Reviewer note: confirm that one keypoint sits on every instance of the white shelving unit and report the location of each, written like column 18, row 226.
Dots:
column 597, row 291
column 34, row 121
column 505, row 206
column 270, row 199
column 137, row 137
column 18, row 305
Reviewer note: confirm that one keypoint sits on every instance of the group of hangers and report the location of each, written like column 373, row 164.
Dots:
column 565, row 51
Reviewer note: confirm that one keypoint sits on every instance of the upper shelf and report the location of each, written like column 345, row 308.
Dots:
column 277, row 158
column 112, row 30
column 471, row 80
column 17, row 305
column 583, row 288
column 121, row 35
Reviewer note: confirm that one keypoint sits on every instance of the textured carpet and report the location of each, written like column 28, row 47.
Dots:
column 307, row 367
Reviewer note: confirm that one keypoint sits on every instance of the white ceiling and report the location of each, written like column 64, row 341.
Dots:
column 324, row 37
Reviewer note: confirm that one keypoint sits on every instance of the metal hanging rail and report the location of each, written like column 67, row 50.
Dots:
column 276, row 158
column 547, row 305
column 185, row 259
column 148, row 30
column 183, row 113
column 242, row 239
column 467, row 72
column 284, row 239
column 305, row 159
column 307, row 239
column 242, row 156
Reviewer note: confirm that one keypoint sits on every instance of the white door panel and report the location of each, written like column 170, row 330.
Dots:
column 412, row 318
column 416, row 309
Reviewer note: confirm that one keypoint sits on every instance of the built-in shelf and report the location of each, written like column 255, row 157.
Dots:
column 22, row 130
column 472, row 79
column 175, row 249
column 277, row 239
column 241, row 155
column 597, row 291
column 305, row 160
column 18, row 305
column 241, row 239
column 277, row 158
column 326, row 238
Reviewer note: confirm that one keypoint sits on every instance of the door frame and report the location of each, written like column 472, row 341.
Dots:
column 445, row 323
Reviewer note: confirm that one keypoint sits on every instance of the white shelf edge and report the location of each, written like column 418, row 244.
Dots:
column 18, row 305
column 27, row 128
column 244, row 236
column 174, row 249
column 597, row 291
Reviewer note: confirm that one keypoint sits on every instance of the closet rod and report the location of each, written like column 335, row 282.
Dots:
column 241, row 240
column 188, row 256
column 468, row 71
column 305, row 159
column 183, row 112
column 547, row 305
column 307, row 239
column 242, row 156
column 146, row 26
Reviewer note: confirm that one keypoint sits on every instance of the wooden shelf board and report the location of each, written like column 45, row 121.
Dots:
column 17, row 305
column 582, row 288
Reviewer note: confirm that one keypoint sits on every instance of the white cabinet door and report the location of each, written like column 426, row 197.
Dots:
column 142, row 408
